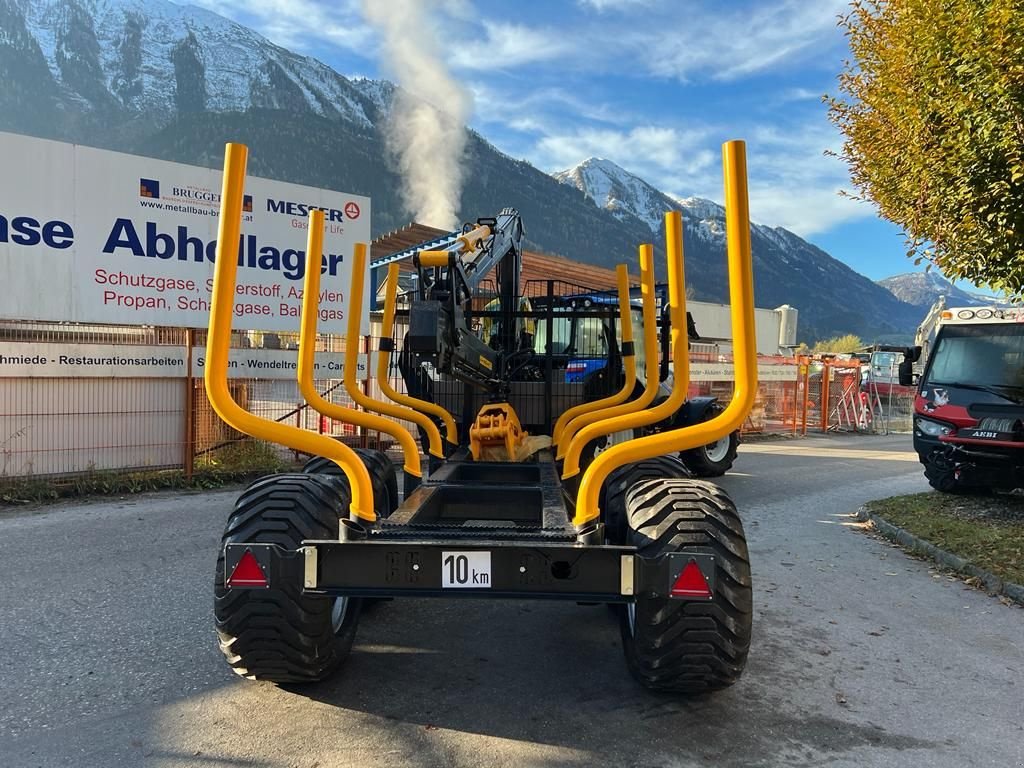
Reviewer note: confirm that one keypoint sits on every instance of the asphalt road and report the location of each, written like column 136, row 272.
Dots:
column 861, row 655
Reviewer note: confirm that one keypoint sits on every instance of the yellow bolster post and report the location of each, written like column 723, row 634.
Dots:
column 218, row 341
column 680, row 353
column 741, row 298
column 355, row 309
column 307, row 343
column 384, row 366
column 628, row 361
column 650, row 368
column 434, row 259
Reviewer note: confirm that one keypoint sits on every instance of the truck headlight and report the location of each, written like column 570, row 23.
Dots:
column 933, row 428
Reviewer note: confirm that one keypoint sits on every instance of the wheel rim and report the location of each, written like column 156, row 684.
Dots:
column 718, row 450
column 613, row 439
column 338, row 612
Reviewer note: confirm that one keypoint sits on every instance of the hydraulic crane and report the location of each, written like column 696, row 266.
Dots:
column 448, row 279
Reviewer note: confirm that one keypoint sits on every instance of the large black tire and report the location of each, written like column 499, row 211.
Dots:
column 383, row 476
column 946, row 481
column 280, row 634
column 944, row 474
column 613, row 493
column 713, row 460
column 678, row 645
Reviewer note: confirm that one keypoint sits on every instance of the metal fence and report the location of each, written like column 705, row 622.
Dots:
column 64, row 424
column 838, row 396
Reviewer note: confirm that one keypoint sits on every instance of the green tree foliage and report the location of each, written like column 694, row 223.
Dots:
column 932, row 108
column 839, row 344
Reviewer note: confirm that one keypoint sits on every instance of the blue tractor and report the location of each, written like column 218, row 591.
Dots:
column 585, row 345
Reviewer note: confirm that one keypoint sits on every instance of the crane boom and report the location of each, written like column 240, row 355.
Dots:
column 449, row 274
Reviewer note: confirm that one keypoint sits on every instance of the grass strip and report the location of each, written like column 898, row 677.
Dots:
column 986, row 531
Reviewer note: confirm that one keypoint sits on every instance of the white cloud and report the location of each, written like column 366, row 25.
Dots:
column 539, row 109
column 791, row 95
column 729, row 46
column 612, row 5
column 647, row 150
column 793, row 184
column 295, row 24
column 507, row 46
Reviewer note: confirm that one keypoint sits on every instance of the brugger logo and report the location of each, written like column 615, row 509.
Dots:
column 189, row 198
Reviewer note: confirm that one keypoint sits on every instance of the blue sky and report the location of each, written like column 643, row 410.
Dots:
column 653, row 85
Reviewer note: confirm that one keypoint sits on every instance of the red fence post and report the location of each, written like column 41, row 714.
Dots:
column 826, row 382
column 807, row 394
column 189, row 453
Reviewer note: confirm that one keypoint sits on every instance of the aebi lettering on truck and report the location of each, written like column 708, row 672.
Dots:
column 969, row 407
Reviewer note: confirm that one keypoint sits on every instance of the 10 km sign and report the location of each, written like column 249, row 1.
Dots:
column 466, row 570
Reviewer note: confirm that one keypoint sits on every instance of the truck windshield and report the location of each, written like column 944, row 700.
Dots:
column 989, row 356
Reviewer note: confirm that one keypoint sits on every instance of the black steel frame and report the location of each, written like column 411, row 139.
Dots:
column 516, row 513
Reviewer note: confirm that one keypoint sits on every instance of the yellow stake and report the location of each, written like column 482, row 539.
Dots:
column 307, row 344
column 680, row 353
column 218, row 341
column 355, row 309
column 741, row 298
column 628, row 361
column 383, row 371
column 650, row 362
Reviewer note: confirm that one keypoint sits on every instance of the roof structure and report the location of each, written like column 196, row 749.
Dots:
column 536, row 266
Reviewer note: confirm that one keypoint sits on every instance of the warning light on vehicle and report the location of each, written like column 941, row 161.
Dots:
column 984, row 314
column 691, row 583
column 247, row 573
column 965, row 314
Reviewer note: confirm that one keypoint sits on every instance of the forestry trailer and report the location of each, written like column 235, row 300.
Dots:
column 493, row 512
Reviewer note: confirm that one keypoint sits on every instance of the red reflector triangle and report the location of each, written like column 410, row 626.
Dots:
column 247, row 573
column 691, row 582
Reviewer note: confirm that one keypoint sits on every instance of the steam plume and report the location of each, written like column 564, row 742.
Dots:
column 426, row 130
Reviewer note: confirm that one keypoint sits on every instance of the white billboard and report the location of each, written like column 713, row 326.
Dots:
column 93, row 236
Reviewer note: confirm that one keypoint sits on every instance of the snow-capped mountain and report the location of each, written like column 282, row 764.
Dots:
column 616, row 190
column 624, row 194
column 922, row 289
column 787, row 269
column 142, row 52
column 175, row 82
column 155, row 59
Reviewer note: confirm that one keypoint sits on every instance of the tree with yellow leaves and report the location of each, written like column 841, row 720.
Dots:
column 932, row 110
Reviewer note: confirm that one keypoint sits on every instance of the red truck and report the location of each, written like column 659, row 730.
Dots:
column 969, row 406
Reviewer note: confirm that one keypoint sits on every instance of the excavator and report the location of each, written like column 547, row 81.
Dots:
column 496, row 511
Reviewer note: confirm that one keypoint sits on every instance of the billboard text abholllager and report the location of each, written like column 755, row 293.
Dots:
column 93, row 236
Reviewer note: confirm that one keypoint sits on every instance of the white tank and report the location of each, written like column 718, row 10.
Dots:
column 787, row 326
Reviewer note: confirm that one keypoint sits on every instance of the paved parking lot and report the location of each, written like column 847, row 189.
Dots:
column 861, row 655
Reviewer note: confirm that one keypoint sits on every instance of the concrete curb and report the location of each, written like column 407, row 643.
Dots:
column 905, row 538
